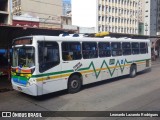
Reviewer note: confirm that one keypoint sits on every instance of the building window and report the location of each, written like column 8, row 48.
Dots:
column 116, row 20
column 112, row 10
column 99, row 28
column 112, row 19
column 106, row 18
column 106, row 8
column 116, row 10
column 102, row 7
column 109, row 9
column 99, row 7
column 99, row 18
column 109, row 19
column 119, row 20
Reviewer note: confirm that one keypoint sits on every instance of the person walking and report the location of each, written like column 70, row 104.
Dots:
column 156, row 54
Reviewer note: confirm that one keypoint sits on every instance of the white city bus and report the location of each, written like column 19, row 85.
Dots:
column 45, row 64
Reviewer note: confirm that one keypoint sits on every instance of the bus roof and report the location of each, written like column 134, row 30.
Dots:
column 78, row 39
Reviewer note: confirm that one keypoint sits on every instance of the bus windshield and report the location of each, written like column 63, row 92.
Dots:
column 23, row 56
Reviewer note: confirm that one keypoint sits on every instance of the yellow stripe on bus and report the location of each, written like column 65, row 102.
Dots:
column 52, row 77
column 82, row 72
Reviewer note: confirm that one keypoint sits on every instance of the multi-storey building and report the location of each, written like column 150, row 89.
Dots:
column 119, row 16
column 141, row 11
column 5, row 13
column 48, row 11
column 150, row 17
column 66, row 7
column 158, row 17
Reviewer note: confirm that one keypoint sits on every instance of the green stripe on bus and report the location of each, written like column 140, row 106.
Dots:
column 118, row 64
column 104, row 63
column 53, row 73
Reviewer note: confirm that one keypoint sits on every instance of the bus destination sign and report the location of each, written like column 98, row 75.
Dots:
column 22, row 42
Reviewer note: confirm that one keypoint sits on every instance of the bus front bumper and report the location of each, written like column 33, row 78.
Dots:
column 30, row 90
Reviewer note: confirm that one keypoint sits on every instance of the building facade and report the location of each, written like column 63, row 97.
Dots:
column 150, row 17
column 158, row 17
column 66, row 7
column 141, row 11
column 118, row 16
column 25, row 21
column 5, row 12
column 48, row 11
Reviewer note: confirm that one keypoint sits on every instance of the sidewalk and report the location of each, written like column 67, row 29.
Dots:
column 157, row 61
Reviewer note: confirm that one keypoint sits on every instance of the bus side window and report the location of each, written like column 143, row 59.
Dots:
column 104, row 49
column 116, row 49
column 71, row 51
column 89, row 50
column 126, row 46
column 48, row 53
column 135, row 48
column 143, row 47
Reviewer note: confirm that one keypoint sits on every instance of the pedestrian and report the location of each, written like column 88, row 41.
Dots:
column 153, row 55
column 156, row 54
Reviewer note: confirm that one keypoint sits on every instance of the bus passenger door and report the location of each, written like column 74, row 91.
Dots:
column 50, row 67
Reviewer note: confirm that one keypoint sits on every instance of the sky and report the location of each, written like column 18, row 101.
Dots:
column 66, row 0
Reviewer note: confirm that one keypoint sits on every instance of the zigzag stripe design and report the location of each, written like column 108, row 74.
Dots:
column 97, row 73
column 104, row 63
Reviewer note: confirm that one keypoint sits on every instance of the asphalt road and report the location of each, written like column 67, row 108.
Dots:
column 121, row 94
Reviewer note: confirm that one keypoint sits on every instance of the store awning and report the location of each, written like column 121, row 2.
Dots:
column 8, row 33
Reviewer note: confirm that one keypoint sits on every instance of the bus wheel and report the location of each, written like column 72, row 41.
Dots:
column 74, row 84
column 133, row 71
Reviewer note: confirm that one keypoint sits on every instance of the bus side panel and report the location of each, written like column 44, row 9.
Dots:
column 39, row 88
column 123, row 65
column 91, row 70
column 52, row 80
column 54, row 85
column 141, row 65
column 110, row 70
column 105, row 73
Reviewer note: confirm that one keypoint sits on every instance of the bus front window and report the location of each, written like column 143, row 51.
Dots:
column 24, row 57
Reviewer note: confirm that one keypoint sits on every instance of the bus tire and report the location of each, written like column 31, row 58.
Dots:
column 74, row 84
column 133, row 71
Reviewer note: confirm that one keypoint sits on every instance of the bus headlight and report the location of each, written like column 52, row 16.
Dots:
column 31, row 82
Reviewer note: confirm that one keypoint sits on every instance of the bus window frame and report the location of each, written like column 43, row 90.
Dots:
column 95, row 51
column 104, row 50
column 135, row 48
column 116, row 50
column 144, row 48
column 44, row 66
column 125, row 48
column 71, row 53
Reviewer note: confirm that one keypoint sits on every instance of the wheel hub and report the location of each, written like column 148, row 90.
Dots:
column 74, row 84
